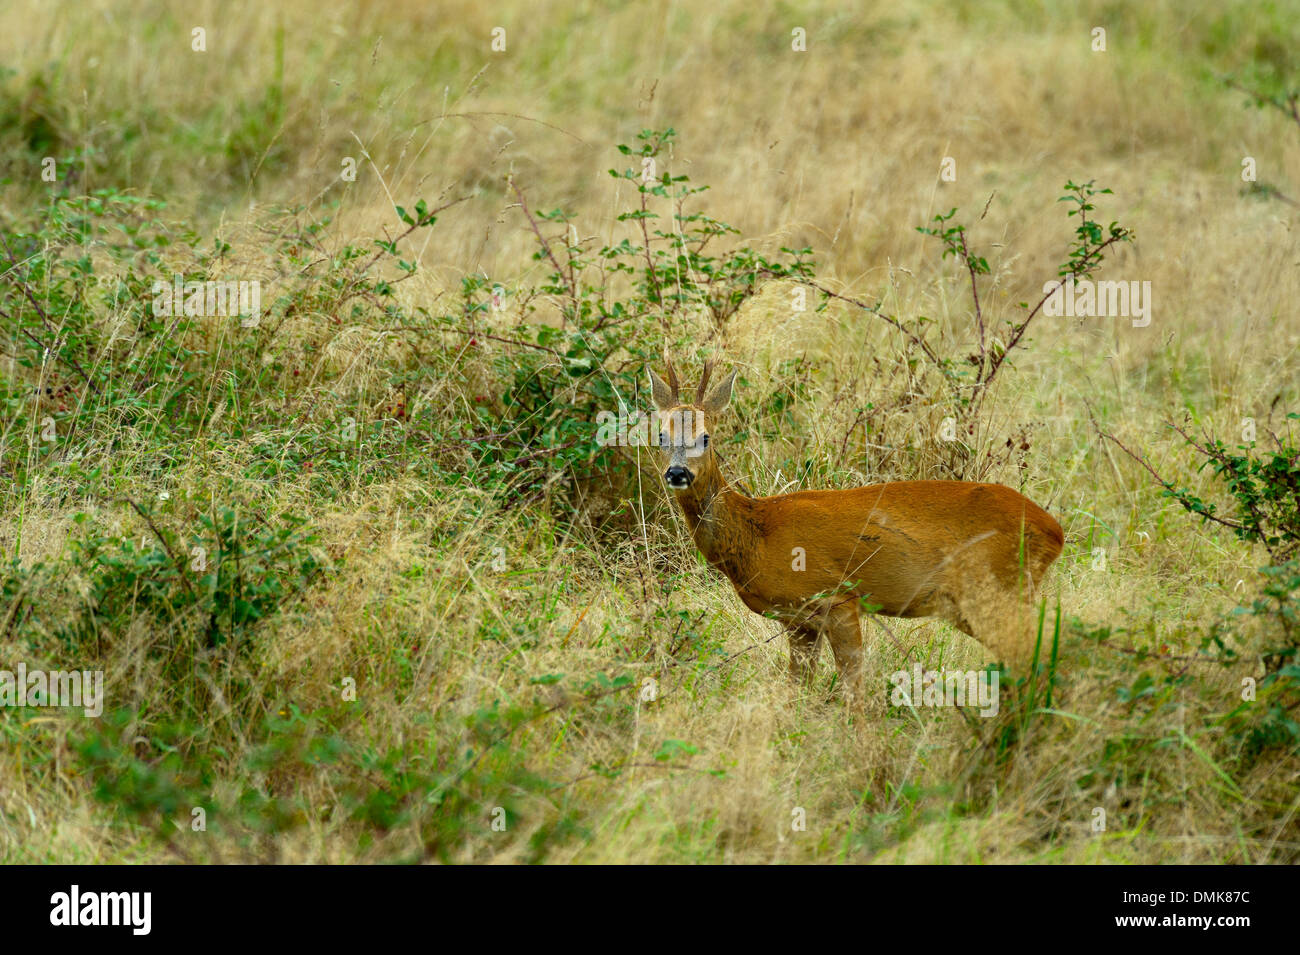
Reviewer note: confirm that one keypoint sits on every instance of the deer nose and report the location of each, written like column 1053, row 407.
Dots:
column 678, row 477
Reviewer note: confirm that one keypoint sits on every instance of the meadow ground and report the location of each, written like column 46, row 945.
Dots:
column 362, row 583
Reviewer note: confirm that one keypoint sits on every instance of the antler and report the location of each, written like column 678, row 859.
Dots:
column 672, row 378
column 704, row 382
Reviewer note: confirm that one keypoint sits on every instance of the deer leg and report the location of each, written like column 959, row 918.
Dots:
column 866, row 700
column 803, row 654
column 845, row 637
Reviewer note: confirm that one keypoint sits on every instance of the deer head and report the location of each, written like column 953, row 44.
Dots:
column 684, row 428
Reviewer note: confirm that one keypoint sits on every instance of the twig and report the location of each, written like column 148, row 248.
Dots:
column 873, row 309
column 1167, row 485
column 180, row 566
column 546, row 246
column 473, row 334
column 975, row 296
column 53, row 349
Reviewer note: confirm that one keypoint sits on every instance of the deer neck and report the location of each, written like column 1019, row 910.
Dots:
column 720, row 521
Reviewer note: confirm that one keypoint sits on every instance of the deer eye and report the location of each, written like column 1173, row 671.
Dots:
column 704, row 441
column 663, row 439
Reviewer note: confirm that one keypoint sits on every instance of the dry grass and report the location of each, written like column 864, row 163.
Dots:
column 837, row 148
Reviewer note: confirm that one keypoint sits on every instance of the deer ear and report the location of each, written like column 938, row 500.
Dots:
column 718, row 400
column 662, row 394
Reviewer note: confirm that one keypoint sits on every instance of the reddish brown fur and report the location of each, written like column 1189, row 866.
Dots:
column 967, row 552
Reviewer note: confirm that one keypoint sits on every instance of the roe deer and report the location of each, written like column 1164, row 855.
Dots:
column 966, row 552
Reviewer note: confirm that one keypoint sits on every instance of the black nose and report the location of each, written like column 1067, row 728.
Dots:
column 678, row 477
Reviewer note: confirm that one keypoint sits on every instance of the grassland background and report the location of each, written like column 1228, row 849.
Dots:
column 837, row 148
